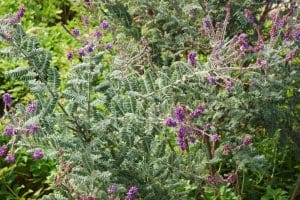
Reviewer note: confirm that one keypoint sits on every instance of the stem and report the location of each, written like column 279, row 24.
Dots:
column 296, row 190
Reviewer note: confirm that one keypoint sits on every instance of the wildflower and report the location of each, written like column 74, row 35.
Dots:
column 297, row 33
column 206, row 23
column 229, row 85
column 98, row 34
column 89, row 48
column 207, row 127
column 37, row 154
column 105, row 24
column 182, row 131
column 69, row 55
column 180, row 113
column 21, row 12
column 32, row 107
column 108, row 46
column 9, row 130
column 192, row 58
column 181, row 143
column 87, row 2
column 131, row 194
column 215, row 137
column 290, row 55
column 112, row 189
column 192, row 139
column 242, row 41
column 3, row 150
column 247, row 140
column 274, row 32
column 197, row 112
column 249, row 16
column 10, row 158
column 7, row 99
column 170, row 122
column 262, row 63
column 75, row 32
column 32, row 128
column 81, row 52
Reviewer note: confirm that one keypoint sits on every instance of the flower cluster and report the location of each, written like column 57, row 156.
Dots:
column 132, row 192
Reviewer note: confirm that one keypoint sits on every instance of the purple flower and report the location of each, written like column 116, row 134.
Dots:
column 247, row 140
column 207, row 127
column 7, row 99
column 192, row 139
column 69, row 55
column 180, row 113
column 104, row 24
column 297, row 33
column 215, row 137
column 262, row 63
column 242, row 41
column 274, row 32
column 87, row 2
column 206, row 23
column 81, row 52
column 75, row 32
column 249, row 16
column 98, row 34
column 212, row 80
column 89, row 48
column 182, row 131
column 3, row 150
column 32, row 128
column 192, row 58
column 229, row 85
column 290, row 55
column 170, row 122
column 181, row 143
column 37, row 154
column 90, row 197
column 32, row 107
column 288, row 35
column 9, row 130
column 131, row 194
column 197, row 112
column 10, row 158
column 112, row 189
column 20, row 13
column 108, row 46
column 198, row 131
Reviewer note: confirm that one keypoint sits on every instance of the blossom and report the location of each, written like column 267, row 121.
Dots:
column 197, row 112
column 112, row 189
column 289, row 56
column 207, row 127
column 37, row 154
column 104, row 24
column 182, row 131
column 227, row 148
column 229, row 85
column 32, row 128
column 181, row 143
column 192, row 58
column 85, row 20
column 192, row 139
column 170, row 122
column 206, row 23
column 81, row 52
column 131, row 194
column 248, row 15
column 32, row 107
column 89, row 48
column 69, row 55
column 108, row 46
column 247, row 140
column 10, row 158
column 231, row 178
column 3, row 150
column 7, row 99
column 98, row 34
column 9, row 130
column 180, row 113
column 75, row 32
column 215, row 137
column 21, row 12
